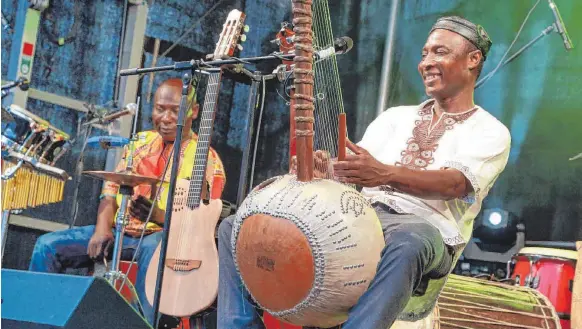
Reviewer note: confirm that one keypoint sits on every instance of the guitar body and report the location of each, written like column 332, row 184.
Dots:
column 190, row 282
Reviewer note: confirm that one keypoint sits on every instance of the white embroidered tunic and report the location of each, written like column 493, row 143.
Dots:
column 473, row 142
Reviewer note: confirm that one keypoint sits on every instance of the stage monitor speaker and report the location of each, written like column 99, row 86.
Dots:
column 33, row 300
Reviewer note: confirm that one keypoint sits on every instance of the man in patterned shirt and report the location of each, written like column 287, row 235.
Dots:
column 80, row 246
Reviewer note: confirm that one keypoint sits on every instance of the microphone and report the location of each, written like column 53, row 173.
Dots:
column 340, row 46
column 129, row 109
column 560, row 26
column 21, row 82
column 5, row 23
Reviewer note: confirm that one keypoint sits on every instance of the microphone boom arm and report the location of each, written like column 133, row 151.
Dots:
column 545, row 32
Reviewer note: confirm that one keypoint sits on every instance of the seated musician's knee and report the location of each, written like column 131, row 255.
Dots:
column 413, row 245
column 152, row 241
column 46, row 242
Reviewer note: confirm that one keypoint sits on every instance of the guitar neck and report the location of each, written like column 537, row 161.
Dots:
column 204, row 138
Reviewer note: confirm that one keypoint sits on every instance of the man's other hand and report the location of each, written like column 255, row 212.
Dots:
column 100, row 242
column 360, row 168
column 140, row 209
column 321, row 165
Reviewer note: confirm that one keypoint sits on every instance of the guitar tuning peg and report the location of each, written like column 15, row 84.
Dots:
column 246, row 28
column 239, row 47
column 243, row 37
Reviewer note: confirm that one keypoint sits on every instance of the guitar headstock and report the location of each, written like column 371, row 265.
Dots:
column 231, row 36
column 285, row 38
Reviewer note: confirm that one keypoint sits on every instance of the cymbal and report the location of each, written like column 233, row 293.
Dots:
column 127, row 179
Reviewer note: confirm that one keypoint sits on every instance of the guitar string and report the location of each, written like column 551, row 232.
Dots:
column 200, row 160
column 186, row 203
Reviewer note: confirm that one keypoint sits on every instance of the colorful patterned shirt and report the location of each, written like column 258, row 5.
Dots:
column 149, row 159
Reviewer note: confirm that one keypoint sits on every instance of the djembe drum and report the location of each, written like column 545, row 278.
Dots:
column 306, row 248
column 471, row 303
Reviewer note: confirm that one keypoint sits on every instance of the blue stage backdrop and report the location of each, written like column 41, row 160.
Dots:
column 537, row 96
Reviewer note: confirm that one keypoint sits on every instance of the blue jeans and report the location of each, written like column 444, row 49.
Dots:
column 56, row 251
column 414, row 250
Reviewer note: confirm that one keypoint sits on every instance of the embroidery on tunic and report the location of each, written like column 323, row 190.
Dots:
column 420, row 148
column 467, row 173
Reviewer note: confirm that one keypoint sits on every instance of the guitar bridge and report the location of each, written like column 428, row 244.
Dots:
column 183, row 265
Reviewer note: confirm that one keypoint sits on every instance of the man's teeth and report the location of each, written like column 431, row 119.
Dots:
column 430, row 76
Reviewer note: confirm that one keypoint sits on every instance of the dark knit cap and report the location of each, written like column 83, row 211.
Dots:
column 474, row 33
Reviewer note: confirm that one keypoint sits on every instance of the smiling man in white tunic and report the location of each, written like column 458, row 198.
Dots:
column 426, row 170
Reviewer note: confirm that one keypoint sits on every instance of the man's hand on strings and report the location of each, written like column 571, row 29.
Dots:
column 360, row 168
column 321, row 165
column 140, row 209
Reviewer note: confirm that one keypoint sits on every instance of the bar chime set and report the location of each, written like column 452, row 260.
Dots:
column 31, row 146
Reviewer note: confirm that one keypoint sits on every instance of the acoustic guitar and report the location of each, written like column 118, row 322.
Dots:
column 190, row 282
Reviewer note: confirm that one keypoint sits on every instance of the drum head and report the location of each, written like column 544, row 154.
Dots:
column 549, row 252
column 279, row 267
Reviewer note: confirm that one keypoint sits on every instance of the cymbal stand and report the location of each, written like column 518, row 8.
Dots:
column 114, row 275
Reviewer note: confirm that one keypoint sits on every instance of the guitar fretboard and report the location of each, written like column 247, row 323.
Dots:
column 204, row 138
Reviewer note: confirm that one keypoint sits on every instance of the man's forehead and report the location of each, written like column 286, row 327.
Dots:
column 167, row 92
column 445, row 38
column 167, row 89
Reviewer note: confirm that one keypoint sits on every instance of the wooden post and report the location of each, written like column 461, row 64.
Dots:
column 303, row 73
column 576, row 317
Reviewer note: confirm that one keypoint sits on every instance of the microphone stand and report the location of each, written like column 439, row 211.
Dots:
column 186, row 81
column 79, row 169
column 245, row 180
column 90, row 122
column 545, row 32
column 197, row 64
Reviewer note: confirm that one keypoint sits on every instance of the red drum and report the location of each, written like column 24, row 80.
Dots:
column 551, row 272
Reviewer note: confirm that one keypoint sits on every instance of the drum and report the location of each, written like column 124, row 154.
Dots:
column 478, row 304
column 550, row 271
column 471, row 303
column 306, row 251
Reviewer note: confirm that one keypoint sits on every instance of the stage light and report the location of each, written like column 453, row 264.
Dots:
column 497, row 236
column 495, row 226
column 495, row 217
